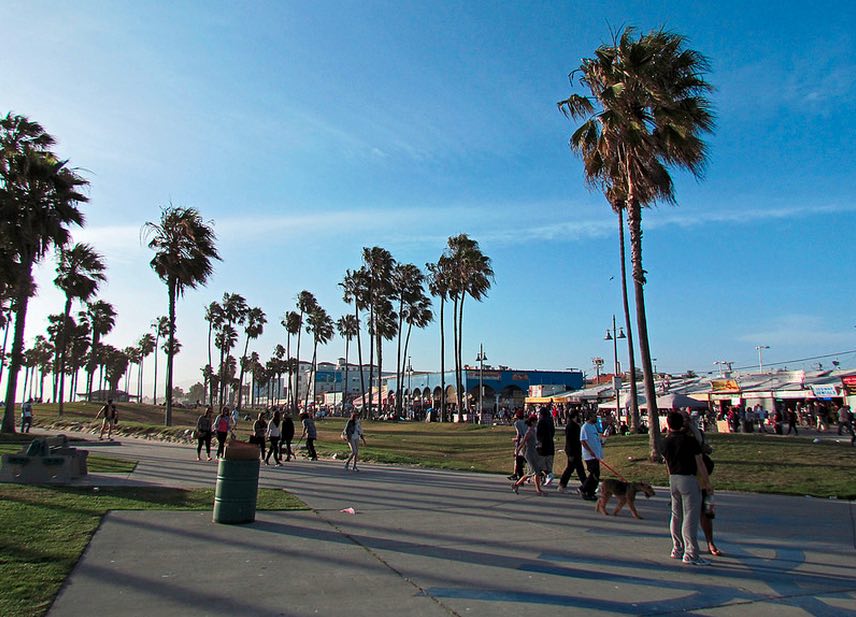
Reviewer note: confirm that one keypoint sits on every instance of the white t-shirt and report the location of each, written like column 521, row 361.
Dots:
column 589, row 434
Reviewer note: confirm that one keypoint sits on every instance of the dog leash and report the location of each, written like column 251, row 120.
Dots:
column 605, row 464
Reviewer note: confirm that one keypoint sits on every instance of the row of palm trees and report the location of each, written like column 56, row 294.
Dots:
column 645, row 110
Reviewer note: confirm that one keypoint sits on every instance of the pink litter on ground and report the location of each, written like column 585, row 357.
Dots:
column 348, row 511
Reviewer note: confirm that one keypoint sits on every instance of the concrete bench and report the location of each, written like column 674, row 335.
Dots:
column 44, row 461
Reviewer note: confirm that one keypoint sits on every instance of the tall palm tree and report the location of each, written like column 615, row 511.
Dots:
column 647, row 111
column 320, row 326
column 147, row 345
column 292, row 324
column 355, row 290
column 235, row 308
column 214, row 316
column 102, row 318
column 253, row 328
column 40, row 197
column 160, row 326
column 184, row 246
column 306, row 303
column 406, row 281
column 470, row 274
column 348, row 327
column 438, row 286
column 79, row 273
column 377, row 266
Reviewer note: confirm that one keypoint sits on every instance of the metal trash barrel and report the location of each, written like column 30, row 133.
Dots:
column 237, row 486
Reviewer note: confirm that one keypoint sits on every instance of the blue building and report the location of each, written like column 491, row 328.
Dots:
column 504, row 388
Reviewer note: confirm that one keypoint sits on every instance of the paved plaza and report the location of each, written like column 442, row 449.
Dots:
column 426, row 542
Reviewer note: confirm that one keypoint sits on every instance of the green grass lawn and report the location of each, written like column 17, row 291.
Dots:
column 45, row 530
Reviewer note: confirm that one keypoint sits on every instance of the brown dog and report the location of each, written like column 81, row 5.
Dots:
column 625, row 492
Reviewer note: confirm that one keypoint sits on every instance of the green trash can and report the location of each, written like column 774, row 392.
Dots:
column 237, row 491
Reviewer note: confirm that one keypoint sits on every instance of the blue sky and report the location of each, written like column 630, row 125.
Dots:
column 306, row 131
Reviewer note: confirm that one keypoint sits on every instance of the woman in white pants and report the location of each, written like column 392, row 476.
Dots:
column 353, row 434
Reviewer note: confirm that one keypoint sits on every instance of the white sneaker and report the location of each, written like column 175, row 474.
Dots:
column 698, row 561
column 549, row 480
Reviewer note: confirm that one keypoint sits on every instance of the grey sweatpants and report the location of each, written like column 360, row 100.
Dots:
column 686, row 510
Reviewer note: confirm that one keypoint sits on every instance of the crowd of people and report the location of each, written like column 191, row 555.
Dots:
column 787, row 419
column 273, row 432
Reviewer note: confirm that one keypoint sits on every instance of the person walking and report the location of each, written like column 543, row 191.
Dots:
column 707, row 511
column 26, row 415
column 683, row 459
column 111, row 418
column 203, row 433
column 259, row 435
column 222, row 427
column 573, row 450
column 274, row 433
column 845, row 419
column 592, row 451
column 791, row 415
column 353, row 435
column 287, row 436
column 520, row 429
column 310, row 433
column 528, row 449
column 545, row 432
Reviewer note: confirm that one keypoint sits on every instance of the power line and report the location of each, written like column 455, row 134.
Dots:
column 829, row 355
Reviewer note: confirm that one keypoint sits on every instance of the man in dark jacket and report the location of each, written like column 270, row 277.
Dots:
column 574, row 452
column 545, row 432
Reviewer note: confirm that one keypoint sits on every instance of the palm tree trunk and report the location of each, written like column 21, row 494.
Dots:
column 443, row 415
column 241, row 373
column 345, row 383
column 458, row 398
column 170, row 353
column 5, row 340
column 209, row 390
column 62, row 338
column 360, row 356
column 310, row 387
column 399, row 367
column 155, row 388
column 631, row 355
column 372, row 328
column 634, row 220
column 17, row 356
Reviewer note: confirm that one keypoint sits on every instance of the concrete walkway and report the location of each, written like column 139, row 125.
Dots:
column 426, row 543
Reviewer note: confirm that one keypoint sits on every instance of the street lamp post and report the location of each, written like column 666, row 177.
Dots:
column 480, row 359
column 613, row 335
column 760, row 349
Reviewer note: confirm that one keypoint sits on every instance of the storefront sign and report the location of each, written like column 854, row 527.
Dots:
column 724, row 385
column 824, row 391
column 849, row 383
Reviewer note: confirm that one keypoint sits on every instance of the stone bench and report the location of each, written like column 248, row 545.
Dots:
column 44, row 461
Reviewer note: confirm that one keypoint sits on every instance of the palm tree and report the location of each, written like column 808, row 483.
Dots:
column 320, row 325
column 292, row 324
column 470, row 274
column 255, row 326
column 406, row 283
column 647, row 112
column 438, row 286
column 134, row 357
column 40, row 196
column 147, row 345
column 79, row 273
column 160, row 325
column 306, row 303
column 184, row 246
column 214, row 316
column 348, row 327
column 102, row 318
column 377, row 267
column 234, row 312
column 355, row 290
